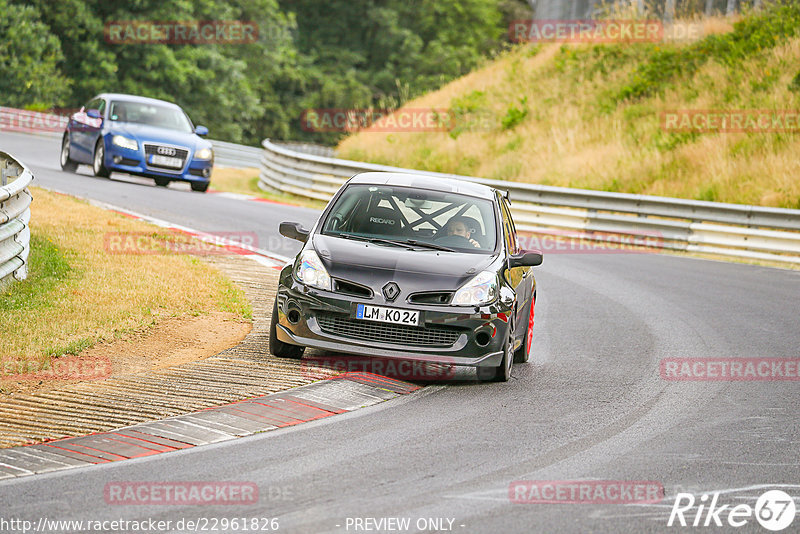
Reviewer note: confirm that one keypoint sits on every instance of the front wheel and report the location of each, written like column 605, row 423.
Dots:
column 276, row 346
column 201, row 187
column 523, row 353
column 162, row 182
column 98, row 163
column 67, row 164
column 501, row 373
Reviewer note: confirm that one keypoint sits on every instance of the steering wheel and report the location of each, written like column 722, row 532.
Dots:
column 454, row 241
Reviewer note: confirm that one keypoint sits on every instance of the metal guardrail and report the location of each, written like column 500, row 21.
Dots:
column 714, row 228
column 15, row 216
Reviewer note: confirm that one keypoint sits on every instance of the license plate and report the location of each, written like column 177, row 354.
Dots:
column 387, row 315
column 166, row 161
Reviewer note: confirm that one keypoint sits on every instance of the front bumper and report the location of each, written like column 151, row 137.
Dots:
column 120, row 159
column 489, row 324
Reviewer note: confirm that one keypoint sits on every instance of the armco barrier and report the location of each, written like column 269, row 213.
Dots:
column 15, row 216
column 714, row 228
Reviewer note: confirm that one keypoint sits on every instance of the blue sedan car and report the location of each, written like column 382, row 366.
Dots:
column 141, row 136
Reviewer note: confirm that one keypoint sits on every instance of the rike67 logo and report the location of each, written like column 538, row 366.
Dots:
column 774, row 510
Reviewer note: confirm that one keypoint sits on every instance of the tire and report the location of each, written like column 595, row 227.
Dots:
column 523, row 354
column 201, row 187
column 276, row 346
column 162, row 182
column 98, row 165
column 501, row 373
column 67, row 164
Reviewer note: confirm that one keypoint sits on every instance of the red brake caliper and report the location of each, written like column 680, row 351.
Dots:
column 529, row 340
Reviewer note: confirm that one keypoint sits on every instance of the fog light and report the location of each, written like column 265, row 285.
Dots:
column 206, row 172
column 482, row 339
column 117, row 159
column 293, row 316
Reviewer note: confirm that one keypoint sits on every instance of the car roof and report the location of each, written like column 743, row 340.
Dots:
column 421, row 181
column 135, row 98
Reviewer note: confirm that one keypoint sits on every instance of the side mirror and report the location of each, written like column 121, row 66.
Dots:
column 294, row 230
column 94, row 114
column 201, row 130
column 526, row 258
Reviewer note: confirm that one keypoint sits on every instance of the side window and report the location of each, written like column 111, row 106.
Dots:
column 102, row 106
column 94, row 104
column 509, row 232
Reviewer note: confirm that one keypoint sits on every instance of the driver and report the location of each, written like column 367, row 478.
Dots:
column 457, row 226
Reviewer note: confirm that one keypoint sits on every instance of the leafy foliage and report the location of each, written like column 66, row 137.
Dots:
column 339, row 54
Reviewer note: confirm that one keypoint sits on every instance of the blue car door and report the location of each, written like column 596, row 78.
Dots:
column 84, row 131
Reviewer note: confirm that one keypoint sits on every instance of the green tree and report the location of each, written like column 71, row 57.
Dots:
column 29, row 54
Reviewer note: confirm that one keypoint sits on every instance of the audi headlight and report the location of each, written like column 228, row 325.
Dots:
column 480, row 290
column 311, row 272
column 124, row 142
column 204, row 153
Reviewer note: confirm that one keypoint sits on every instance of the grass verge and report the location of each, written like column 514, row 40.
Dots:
column 78, row 294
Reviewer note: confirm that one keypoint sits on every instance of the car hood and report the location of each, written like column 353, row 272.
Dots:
column 152, row 134
column 414, row 270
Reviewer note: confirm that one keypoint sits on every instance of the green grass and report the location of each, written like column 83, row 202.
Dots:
column 47, row 268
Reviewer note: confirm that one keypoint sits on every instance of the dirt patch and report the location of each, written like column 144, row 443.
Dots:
column 171, row 342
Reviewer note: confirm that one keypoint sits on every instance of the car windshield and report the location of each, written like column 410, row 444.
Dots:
column 150, row 114
column 427, row 219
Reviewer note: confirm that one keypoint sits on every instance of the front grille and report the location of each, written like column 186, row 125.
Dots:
column 431, row 336
column 172, row 152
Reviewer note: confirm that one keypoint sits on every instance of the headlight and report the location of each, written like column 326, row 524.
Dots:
column 124, row 142
column 311, row 272
column 203, row 153
column 480, row 290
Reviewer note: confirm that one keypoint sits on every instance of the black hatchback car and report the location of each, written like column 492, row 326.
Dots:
column 410, row 267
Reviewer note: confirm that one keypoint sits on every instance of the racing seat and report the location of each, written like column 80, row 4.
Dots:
column 380, row 221
column 475, row 229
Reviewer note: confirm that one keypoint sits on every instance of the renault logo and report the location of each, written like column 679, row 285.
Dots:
column 166, row 151
column 391, row 291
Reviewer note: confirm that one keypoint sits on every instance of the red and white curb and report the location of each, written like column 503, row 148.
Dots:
column 340, row 394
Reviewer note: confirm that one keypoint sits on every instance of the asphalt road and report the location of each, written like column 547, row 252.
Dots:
column 591, row 405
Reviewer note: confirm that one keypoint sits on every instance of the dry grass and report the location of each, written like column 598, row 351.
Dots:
column 78, row 294
column 567, row 140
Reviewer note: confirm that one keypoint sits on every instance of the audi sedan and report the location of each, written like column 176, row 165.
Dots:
column 410, row 267
column 141, row 136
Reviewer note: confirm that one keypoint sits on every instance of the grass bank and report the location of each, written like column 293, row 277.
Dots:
column 589, row 116
column 78, row 293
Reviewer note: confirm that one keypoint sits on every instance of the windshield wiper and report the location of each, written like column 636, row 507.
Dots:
column 433, row 246
column 376, row 240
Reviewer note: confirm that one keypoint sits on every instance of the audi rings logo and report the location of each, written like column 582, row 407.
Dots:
column 166, row 151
